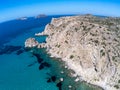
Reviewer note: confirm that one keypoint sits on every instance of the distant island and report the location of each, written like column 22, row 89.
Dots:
column 22, row 18
column 40, row 16
column 89, row 45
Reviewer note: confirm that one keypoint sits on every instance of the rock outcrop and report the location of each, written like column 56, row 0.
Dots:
column 89, row 45
column 31, row 42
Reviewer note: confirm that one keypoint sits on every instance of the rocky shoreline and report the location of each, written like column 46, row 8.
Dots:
column 89, row 45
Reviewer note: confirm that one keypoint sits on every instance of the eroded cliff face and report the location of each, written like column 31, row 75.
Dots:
column 89, row 45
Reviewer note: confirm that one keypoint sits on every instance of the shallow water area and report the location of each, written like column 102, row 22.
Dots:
column 15, row 73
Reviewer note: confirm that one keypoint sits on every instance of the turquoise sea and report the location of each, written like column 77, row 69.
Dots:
column 22, row 69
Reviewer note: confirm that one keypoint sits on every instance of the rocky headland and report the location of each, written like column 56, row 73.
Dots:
column 89, row 45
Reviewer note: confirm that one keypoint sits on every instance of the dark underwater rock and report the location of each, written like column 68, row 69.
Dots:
column 59, row 85
column 19, row 52
column 8, row 49
column 39, row 59
column 53, row 78
column 41, row 67
column 46, row 64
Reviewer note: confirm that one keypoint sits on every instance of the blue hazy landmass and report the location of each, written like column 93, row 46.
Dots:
column 10, row 9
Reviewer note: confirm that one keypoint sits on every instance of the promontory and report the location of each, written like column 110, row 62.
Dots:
column 89, row 45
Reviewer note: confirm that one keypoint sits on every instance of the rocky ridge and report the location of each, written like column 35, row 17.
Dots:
column 89, row 45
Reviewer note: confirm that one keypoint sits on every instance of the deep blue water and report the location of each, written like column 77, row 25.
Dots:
column 34, row 69
column 13, row 28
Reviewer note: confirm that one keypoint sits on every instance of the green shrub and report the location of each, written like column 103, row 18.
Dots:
column 118, row 81
column 113, row 57
column 96, row 41
column 116, row 86
column 71, row 56
column 57, row 45
column 66, row 41
column 102, row 52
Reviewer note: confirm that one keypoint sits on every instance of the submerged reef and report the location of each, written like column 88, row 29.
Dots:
column 8, row 49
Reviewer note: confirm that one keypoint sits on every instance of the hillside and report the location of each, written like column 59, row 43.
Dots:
column 89, row 45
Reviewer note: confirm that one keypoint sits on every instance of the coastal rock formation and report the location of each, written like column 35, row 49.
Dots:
column 31, row 42
column 89, row 45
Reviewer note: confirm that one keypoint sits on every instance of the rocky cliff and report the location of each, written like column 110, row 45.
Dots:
column 89, row 45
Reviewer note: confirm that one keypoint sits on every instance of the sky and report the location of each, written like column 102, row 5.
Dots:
column 11, row 9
